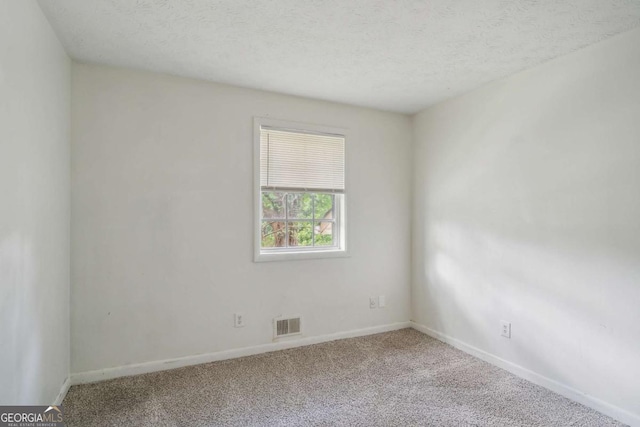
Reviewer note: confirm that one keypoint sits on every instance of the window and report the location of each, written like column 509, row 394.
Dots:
column 300, row 191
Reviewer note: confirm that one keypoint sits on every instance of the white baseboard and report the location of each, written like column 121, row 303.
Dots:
column 553, row 385
column 162, row 365
column 63, row 391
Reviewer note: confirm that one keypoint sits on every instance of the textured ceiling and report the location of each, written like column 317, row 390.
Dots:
column 398, row 55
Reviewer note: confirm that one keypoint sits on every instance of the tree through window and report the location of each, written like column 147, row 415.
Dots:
column 297, row 219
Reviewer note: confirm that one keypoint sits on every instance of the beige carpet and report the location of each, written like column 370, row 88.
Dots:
column 401, row 378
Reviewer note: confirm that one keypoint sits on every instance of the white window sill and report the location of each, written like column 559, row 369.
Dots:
column 302, row 255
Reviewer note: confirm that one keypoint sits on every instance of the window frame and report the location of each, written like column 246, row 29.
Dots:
column 341, row 208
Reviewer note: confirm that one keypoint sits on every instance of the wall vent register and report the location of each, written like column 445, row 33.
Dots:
column 287, row 327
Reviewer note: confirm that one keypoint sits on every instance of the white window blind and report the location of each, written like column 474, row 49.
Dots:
column 297, row 160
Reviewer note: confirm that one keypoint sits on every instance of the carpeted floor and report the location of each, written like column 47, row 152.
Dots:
column 401, row 378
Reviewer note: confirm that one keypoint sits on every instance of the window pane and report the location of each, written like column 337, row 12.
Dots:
column 273, row 203
column 324, row 206
column 273, row 234
column 300, row 233
column 324, row 233
column 301, row 205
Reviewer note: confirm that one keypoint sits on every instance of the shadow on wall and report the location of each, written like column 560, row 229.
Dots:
column 474, row 278
column 21, row 309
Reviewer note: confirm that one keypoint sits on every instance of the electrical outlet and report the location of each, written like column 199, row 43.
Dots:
column 382, row 301
column 373, row 302
column 238, row 320
column 506, row 329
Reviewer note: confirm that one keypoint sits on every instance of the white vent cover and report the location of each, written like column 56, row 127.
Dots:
column 284, row 327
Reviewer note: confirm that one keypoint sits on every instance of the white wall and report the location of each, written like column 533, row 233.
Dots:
column 34, row 207
column 527, row 209
column 162, row 208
